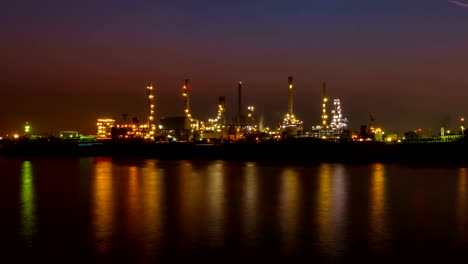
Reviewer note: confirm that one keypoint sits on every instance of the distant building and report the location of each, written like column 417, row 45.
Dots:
column 176, row 128
column 105, row 127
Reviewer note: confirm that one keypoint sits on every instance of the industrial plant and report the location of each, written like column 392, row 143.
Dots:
column 243, row 127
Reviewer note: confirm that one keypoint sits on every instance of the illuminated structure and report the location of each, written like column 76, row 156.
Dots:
column 186, row 95
column 291, row 126
column 239, row 103
column 250, row 115
column 337, row 129
column 462, row 126
column 27, row 128
column 372, row 123
column 214, row 129
column 105, row 127
column 324, row 106
column 338, row 122
column 290, row 96
column 222, row 110
column 151, row 110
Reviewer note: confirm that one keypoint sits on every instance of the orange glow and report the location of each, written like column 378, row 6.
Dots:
column 289, row 214
column 378, row 206
column 216, row 201
column 461, row 201
column 133, row 209
column 152, row 187
column 103, row 204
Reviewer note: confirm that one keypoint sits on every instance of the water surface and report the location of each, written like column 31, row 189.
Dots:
column 103, row 210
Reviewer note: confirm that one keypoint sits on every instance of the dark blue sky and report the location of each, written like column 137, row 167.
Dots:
column 63, row 64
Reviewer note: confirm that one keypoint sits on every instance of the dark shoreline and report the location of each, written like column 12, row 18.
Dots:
column 308, row 151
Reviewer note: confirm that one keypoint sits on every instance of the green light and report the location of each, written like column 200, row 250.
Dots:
column 28, row 207
column 27, row 128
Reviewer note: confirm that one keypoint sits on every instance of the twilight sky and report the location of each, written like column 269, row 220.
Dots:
column 63, row 64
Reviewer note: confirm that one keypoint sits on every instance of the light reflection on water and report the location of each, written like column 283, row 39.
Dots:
column 103, row 204
column 28, row 203
column 251, row 209
column 153, row 187
column 462, row 209
column 216, row 203
column 149, row 210
column 331, row 208
column 289, row 209
column 190, row 192
column 133, row 201
column 378, row 217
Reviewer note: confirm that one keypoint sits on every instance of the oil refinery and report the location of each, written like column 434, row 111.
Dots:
column 244, row 126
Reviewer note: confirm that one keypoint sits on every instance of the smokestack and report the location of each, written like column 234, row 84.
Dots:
column 324, row 105
column 186, row 95
column 290, row 96
column 239, row 103
column 222, row 110
column 151, row 125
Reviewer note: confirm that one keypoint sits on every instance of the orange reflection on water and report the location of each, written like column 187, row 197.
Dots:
column 28, row 203
column 152, row 187
column 331, row 205
column 324, row 204
column 378, row 222
column 289, row 206
column 133, row 209
column 461, row 202
column 216, row 202
column 250, row 203
column 103, row 204
column 189, row 191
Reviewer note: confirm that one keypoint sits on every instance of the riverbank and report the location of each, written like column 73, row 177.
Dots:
column 291, row 150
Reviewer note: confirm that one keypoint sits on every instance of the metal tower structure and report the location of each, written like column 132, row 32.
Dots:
column 338, row 122
column 239, row 103
column 151, row 110
column 291, row 125
column 290, row 96
column 250, row 115
column 186, row 94
column 222, row 110
column 324, row 105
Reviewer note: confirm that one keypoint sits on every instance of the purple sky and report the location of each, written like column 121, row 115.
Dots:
column 63, row 65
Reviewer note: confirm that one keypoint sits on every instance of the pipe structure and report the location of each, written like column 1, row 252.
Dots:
column 324, row 105
column 151, row 110
column 290, row 96
column 186, row 95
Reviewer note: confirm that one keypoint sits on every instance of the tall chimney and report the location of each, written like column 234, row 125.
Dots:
column 239, row 103
column 290, row 96
column 324, row 105
column 186, row 95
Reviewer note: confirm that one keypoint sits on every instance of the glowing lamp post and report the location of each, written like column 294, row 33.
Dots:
column 462, row 125
column 27, row 128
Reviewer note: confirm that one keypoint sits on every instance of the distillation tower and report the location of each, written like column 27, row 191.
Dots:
column 186, row 95
column 337, row 127
column 324, row 106
column 290, row 96
column 338, row 122
column 151, row 110
column 239, row 104
column 221, row 111
column 291, row 126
